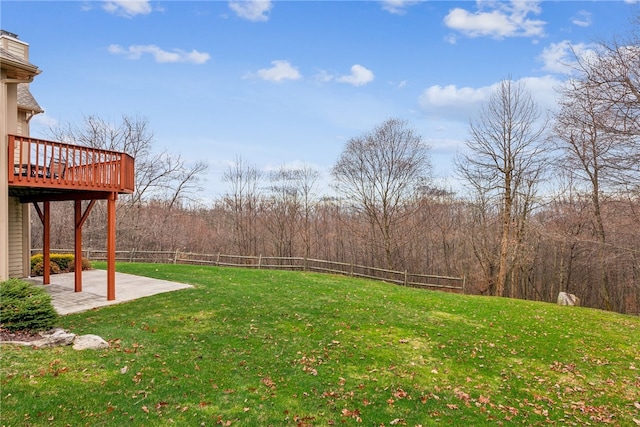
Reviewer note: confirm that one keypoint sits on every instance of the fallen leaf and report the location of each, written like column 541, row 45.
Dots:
column 400, row 393
column 268, row 382
column 145, row 409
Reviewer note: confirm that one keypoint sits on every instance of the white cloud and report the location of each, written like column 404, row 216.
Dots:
column 127, row 8
column 462, row 104
column 450, row 95
column 281, row 70
column 398, row 7
column 497, row 19
column 323, row 76
column 582, row 19
column 359, row 76
column 160, row 55
column 252, row 10
column 561, row 57
column 45, row 121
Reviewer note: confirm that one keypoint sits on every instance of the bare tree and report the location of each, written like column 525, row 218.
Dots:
column 162, row 178
column 282, row 210
column 307, row 181
column 598, row 130
column 244, row 201
column 379, row 172
column 158, row 174
column 503, row 164
column 609, row 82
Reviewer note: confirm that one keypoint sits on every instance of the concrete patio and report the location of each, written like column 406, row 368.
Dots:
column 94, row 290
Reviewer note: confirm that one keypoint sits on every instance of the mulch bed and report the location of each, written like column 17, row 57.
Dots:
column 24, row 336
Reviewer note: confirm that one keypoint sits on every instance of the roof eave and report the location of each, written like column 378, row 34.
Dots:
column 19, row 70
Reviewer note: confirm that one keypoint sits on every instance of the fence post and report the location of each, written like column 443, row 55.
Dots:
column 406, row 280
column 131, row 252
column 304, row 265
column 464, row 284
column 351, row 270
column 175, row 257
column 218, row 260
column 259, row 261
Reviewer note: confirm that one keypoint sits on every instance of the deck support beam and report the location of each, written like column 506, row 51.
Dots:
column 45, row 218
column 46, row 243
column 111, row 246
column 79, row 219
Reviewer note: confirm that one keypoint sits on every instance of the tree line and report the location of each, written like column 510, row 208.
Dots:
column 551, row 199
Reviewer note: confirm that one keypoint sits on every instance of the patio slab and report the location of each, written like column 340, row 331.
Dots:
column 94, row 290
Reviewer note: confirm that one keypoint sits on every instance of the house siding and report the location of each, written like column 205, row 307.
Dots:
column 22, row 123
column 16, row 258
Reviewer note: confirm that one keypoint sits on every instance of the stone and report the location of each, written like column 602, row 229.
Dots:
column 54, row 338
column 60, row 338
column 565, row 298
column 89, row 342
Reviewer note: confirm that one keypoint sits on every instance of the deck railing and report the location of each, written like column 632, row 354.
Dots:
column 48, row 164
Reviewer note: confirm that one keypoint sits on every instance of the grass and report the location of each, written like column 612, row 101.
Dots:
column 259, row 348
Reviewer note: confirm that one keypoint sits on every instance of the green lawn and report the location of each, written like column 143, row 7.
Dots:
column 258, row 348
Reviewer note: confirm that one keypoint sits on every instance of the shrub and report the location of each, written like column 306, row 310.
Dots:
column 38, row 268
column 25, row 307
column 65, row 263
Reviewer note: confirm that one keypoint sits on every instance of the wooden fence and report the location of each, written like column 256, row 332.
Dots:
column 403, row 278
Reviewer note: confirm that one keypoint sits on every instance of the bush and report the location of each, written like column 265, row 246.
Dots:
column 64, row 263
column 38, row 268
column 25, row 307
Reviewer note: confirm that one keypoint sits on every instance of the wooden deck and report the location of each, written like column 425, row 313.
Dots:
column 47, row 165
column 43, row 171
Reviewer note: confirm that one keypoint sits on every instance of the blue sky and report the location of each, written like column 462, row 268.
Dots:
column 289, row 82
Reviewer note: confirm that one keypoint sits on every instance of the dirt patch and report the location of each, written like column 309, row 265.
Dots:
column 22, row 336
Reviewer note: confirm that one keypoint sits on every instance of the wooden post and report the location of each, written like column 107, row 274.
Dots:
column 79, row 219
column 78, row 245
column 111, row 246
column 406, row 280
column 259, row 261
column 46, row 242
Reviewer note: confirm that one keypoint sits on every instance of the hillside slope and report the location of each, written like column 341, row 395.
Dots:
column 256, row 347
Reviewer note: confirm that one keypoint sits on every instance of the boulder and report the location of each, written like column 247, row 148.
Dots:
column 60, row 338
column 54, row 338
column 89, row 342
column 565, row 298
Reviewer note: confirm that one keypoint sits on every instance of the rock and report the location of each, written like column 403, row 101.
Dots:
column 54, row 338
column 568, row 299
column 59, row 338
column 89, row 342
